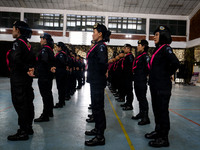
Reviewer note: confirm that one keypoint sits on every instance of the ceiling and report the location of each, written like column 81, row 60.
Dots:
column 163, row 7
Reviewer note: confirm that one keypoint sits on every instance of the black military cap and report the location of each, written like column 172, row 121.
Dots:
column 143, row 42
column 45, row 36
column 162, row 28
column 21, row 24
column 128, row 45
column 24, row 28
column 60, row 44
column 121, row 51
column 165, row 35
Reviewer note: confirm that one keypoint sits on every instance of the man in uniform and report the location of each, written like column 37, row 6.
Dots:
column 127, row 77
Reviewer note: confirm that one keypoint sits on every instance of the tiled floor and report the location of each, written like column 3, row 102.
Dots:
column 66, row 130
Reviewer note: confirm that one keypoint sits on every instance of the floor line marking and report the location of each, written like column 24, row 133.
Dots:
column 185, row 109
column 184, row 117
column 6, row 108
column 120, row 123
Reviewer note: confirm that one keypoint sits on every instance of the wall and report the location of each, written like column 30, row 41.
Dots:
column 84, row 38
column 195, row 26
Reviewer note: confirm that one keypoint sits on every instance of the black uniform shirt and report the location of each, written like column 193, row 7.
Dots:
column 97, row 64
column 46, row 60
column 140, row 69
column 61, row 61
column 164, row 64
column 21, row 57
column 127, row 66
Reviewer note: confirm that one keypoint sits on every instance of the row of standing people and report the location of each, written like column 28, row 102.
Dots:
column 65, row 65
column 123, row 70
column 161, row 66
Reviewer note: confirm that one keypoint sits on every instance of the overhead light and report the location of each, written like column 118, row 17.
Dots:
column 2, row 30
column 176, row 5
column 131, row 3
column 86, row 0
column 128, row 36
column 40, row 32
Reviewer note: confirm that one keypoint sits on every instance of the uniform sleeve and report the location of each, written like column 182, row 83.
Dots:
column 62, row 59
column 44, row 55
column 17, row 53
column 147, row 59
column 102, row 58
column 21, row 55
column 130, row 59
column 172, row 59
column 129, row 63
column 51, row 58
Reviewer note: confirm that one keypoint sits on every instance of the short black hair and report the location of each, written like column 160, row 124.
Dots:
column 128, row 45
column 145, row 44
column 105, row 32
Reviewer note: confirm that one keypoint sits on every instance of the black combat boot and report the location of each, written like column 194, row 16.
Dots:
column 19, row 136
column 145, row 119
column 97, row 140
column 59, row 105
column 160, row 142
column 90, row 120
column 138, row 116
column 91, row 132
column 152, row 135
column 42, row 118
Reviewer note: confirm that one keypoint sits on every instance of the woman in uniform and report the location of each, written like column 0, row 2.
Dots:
column 140, row 72
column 97, row 59
column 162, row 66
column 46, row 62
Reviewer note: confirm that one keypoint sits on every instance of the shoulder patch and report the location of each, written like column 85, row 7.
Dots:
column 15, row 44
column 102, row 47
column 169, row 50
column 147, row 58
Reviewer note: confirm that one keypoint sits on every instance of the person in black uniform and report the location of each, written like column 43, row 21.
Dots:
column 69, row 73
column 83, row 71
column 73, row 73
column 46, row 62
column 60, row 70
column 127, row 78
column 21, row 62
column 78, row 71
column 140, row 72
column 162, row 66
column 97, row 59
column 120, row 76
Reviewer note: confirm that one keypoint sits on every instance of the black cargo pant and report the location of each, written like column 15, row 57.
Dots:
column 45, row 86
column 160, row 104
column 68, row 84
column 79, row 78
column 22, row 98
column 128, row 91
column 83, row 77
column 61, row 82
column 97, row 98
column 140, row 92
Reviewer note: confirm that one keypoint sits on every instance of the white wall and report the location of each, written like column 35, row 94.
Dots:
column 84, row 38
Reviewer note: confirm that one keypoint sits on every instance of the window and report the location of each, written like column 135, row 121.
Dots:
column 83, row 23
column 177, row 27
column 8, row 18
column 44, row 21
column 127, row 25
